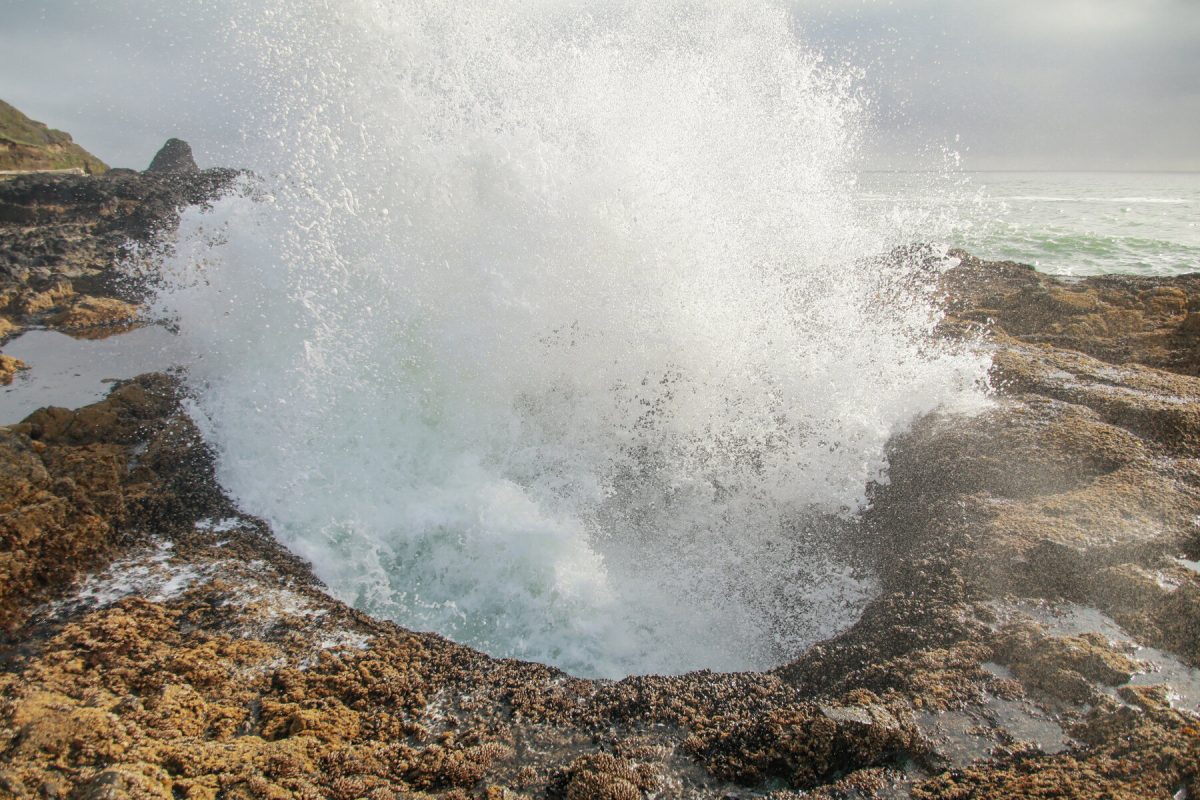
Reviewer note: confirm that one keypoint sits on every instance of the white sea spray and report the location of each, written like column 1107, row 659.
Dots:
column 558, row 327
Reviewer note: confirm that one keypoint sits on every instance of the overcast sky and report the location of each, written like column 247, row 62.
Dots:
column 1010, row 84
column 1043, row 84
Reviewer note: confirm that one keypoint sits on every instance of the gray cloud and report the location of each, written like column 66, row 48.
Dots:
column 1105, row 84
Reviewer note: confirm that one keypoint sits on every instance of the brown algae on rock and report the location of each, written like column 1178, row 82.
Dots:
column 1035, row 632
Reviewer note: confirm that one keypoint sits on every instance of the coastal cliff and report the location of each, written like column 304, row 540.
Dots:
column 1037, row 633
column 27, row 145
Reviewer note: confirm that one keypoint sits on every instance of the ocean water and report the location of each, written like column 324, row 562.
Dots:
column 1065, row 223
column 564, row 329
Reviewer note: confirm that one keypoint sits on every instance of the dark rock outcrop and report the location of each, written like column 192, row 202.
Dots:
column 174, row 156
column 61, row 237
column 1116, row 318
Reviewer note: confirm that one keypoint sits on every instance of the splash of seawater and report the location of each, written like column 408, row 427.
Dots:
column 557, row 327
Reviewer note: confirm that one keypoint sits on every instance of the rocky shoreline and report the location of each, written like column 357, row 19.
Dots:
column 1037, row 633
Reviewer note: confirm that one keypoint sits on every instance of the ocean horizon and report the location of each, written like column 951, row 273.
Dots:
column 1065, row 223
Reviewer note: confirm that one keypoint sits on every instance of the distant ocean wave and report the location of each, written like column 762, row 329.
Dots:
column 1084, row 254
column 1068, row 223
column 1043, row 199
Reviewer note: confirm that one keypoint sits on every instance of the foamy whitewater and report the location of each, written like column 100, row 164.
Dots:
column 559, row 328
column 1067, row 223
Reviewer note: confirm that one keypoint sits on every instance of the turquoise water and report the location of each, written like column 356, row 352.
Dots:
column 1065, row 223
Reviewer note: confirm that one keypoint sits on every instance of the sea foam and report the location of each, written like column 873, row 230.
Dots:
column 558, row 327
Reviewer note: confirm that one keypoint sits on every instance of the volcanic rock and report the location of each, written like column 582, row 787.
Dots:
column 86, row 314
column 67, row 254
column 9, row 367
column 1036, row 632
column 174, row 156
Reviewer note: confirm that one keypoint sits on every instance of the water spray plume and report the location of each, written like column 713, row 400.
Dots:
column 559, row 327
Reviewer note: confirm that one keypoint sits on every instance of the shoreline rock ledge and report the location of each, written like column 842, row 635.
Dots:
column 1037, row 633
column 62, row 235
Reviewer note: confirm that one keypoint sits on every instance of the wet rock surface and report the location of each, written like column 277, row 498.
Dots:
column 62, row 235
column 9, row 367
column 1037, row 633
column 1118, row 319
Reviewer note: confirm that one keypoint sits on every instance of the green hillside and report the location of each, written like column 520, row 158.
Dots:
column 26, row 144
